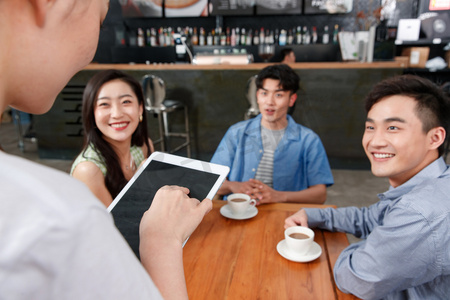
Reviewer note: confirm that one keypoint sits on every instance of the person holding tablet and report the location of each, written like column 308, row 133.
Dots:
column 115, row 134
column 57, row 240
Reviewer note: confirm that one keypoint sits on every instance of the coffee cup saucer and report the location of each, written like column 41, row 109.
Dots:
column 314, row 252
column 227, row 213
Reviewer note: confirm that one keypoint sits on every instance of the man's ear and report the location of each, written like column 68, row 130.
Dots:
column 40, row 10
column 292, row 99
column 437, row 137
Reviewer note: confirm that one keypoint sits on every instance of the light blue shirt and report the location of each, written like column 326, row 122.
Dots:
column 300, row 160
column 406, row 251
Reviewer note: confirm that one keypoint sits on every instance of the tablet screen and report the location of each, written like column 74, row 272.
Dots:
column 129, row 206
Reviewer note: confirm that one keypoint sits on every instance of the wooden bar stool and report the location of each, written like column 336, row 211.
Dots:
column 253, row 110
column 155, row 103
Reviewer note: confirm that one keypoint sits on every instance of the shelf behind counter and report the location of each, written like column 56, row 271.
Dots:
column 330, row 102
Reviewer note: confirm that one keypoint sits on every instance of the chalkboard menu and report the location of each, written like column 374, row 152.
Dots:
column 328, row 6
column 141, row 8
column 185, row 8
column 168, row 8
column 231, row 7
column 278, row 7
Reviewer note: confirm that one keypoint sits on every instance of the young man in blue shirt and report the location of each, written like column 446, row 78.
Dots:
column 405, row 252
column 271, row 157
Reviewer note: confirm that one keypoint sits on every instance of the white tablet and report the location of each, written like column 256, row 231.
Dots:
column 203, row 179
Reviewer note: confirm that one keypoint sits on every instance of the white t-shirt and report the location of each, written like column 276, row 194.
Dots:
column 57, row 241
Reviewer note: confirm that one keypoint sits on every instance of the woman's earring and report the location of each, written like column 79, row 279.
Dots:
column 140, row 118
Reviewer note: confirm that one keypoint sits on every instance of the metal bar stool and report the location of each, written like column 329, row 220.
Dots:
column 253, row 110
column 155, row 103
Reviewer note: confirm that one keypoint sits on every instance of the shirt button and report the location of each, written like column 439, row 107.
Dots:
column 253, row 170
column 260, row 151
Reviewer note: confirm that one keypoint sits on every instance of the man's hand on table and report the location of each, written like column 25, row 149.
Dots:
column 300, row 218
column 263, row 193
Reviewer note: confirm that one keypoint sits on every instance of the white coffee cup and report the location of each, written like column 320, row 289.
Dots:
column 240, row 203
column 299, row 239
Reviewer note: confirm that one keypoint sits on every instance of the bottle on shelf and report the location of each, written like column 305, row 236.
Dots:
column 238, row 36
column 210, row 38
column 223, row 38
column 290, row 37
column 325, row 36
column 262, row 37
column 276, row 36
column 169, row 40
column 161, row 39
column 298, row 36
column 314, row 36
column 248, row 40
column 306, row 36
column 233, row 37
column 216, row 36
column 267, row 37
column 243, row 37
column 335, row 34
column 194, row 37
column 256, row 38
column 140, row 38
column 201, row 37
column 228, row 37
column 148, row 36
column 282, row 39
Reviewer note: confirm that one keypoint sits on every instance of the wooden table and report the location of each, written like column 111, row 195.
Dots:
column 238, row 259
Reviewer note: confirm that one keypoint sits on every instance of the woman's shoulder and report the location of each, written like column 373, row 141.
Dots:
column 89, row 154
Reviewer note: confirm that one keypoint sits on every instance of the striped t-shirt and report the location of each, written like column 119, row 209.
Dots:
column 270, row 140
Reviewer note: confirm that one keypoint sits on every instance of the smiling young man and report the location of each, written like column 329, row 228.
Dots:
column 405, row 252
column 271, row 157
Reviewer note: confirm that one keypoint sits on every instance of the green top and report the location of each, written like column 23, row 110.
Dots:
column 91, row 155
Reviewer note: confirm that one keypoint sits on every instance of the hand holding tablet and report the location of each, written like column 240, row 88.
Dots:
column 173, row 214
column 202, row 179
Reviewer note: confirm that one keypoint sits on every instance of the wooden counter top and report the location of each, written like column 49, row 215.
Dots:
column 253, row 66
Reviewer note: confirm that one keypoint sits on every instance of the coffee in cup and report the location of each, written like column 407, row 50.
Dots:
column 240, row 203
column 299, row 239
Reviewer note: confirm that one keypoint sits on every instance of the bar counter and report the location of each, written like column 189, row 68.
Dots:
column 254, row 66
column 330, row 102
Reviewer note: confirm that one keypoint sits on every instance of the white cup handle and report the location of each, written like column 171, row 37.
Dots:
column 252, row 202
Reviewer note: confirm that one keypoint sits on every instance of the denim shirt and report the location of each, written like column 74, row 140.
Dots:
column 300, row 160
column 406, row 251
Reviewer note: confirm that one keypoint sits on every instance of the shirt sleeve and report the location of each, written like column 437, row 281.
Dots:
column 381, row 264
column 357, row 221
column 318, row 168
column 226, row 150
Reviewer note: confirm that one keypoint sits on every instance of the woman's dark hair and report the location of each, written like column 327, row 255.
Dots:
column 289, row 80
column 433, row 107
column 114, row 179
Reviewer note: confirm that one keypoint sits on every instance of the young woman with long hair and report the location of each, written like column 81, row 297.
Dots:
column 115, row 134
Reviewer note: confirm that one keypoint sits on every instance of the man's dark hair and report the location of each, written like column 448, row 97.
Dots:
column 289, row 80
column 433, row 106
column 285, row 52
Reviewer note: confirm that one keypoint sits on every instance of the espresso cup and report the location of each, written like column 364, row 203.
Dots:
column 240, row 203
column 299, row 239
